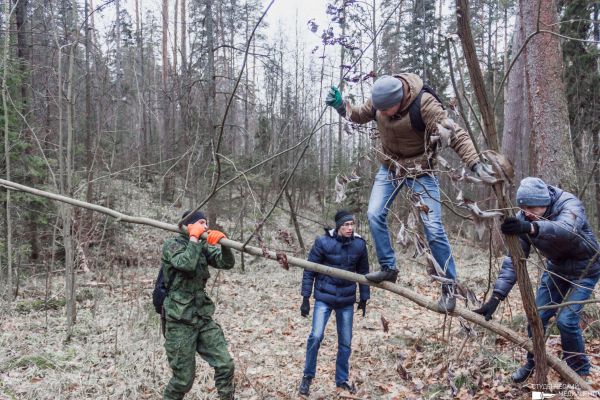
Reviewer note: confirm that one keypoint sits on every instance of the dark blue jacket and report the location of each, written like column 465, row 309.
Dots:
column 564, row 238
column 349, row 254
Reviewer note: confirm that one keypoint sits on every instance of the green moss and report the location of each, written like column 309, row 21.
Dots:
column 28, row 306
column 42, row 361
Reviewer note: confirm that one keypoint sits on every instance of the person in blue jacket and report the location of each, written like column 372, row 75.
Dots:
column 339, row 248
column 553, row 221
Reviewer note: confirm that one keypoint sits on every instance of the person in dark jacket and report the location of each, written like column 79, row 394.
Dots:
column 553, row 221
column 338, row 248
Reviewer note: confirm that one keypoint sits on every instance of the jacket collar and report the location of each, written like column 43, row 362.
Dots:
column 332, row 233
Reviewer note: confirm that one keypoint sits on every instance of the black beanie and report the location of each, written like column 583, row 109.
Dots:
column 342, row 217
column 190, row 219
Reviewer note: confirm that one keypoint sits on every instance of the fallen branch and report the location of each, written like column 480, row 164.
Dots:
column 558, row 365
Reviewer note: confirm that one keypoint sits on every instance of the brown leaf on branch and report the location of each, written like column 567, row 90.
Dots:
column 283, row 261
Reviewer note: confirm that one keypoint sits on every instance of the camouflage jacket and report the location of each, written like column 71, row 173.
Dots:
column 187, row 301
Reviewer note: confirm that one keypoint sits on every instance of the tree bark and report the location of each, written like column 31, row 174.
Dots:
column 560, row 366
column 89, row 193
column 551, row 149
column 595, row 135
column 8, row 204
column 515, row 137
column 466, row 38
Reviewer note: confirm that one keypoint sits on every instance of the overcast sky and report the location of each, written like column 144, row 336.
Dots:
column 282, row 16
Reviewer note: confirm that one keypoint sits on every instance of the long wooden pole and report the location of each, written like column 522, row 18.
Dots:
column 560, row 366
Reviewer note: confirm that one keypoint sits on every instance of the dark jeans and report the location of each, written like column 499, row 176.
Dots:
column 552, row 290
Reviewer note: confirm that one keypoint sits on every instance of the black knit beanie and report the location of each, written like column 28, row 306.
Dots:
column 190, row 219
column 341, row 217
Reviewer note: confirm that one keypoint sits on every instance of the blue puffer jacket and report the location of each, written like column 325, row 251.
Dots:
column 564, row 238
column 349, row 254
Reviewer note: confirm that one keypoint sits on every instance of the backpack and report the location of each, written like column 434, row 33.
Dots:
column 160, row 292
column 414, row 110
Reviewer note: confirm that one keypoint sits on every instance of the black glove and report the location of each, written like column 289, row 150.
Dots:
column 488, row 308
column 305, row 307
column 514, row 226
column 362, row 305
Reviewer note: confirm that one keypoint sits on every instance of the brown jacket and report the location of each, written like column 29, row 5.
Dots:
column 400, row 142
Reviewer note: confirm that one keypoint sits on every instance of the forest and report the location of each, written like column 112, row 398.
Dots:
column 117, row 116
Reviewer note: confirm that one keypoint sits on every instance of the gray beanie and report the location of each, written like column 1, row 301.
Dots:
column 386, row 92
column 533, row 192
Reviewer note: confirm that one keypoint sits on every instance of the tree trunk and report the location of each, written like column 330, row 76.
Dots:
column 89, row 193
column 5, row 62
column 550, row 152
column 595, row 135
column 166, row 136
column 466, row 37
column 71, row 302
column 295, row 220
column 515, row 137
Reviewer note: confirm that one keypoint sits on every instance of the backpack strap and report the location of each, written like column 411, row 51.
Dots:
column 414, row 111
column 171, row 280
column 172, row 276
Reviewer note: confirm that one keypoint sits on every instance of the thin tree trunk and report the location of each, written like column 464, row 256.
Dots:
column 595, row 138
column 89, row 193
column 466, row 37
column 166, row 136
column 5, row 62
column 295, row 220
column 71, row 303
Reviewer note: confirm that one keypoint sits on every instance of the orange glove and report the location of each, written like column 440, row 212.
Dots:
column 196, row 229
column 214, row 237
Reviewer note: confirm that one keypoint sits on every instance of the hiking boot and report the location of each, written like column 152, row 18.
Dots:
column 447, row 301
column 385, row 274
column 347, row 386
column 305, row 385
column 523, row 373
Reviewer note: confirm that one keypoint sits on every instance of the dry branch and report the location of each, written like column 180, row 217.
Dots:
column 558, row 365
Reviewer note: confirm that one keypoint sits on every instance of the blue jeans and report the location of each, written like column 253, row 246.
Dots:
column 552, row 290
column 343, row 319
column 385, row 189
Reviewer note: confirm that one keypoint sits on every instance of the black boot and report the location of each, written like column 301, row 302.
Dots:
column 305, row 385
column 386, row 274
column 347, row 386
column 447, row 301
column 523, row 373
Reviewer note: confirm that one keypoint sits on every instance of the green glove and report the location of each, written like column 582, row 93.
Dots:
column 334, row 98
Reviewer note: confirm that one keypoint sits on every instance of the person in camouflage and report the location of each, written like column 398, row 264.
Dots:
column 188, row 310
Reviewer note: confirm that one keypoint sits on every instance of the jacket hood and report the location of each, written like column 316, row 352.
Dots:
column 555, row 194
column 415, row 84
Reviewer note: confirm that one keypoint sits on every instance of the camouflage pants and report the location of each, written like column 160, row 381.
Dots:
column 181, row 344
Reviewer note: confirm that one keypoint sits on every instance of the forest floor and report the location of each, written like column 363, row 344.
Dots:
column 116, row 349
